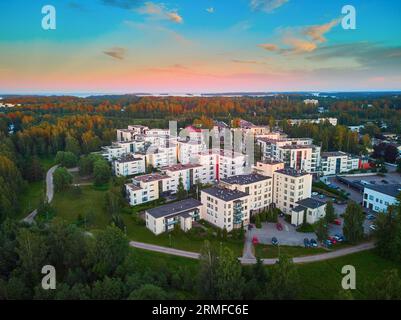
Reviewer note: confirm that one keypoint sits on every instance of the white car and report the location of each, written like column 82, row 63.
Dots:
column 372, row 227
column 315, row 193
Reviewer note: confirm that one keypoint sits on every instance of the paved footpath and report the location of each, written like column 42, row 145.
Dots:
column 49, row 194
column 305, row 259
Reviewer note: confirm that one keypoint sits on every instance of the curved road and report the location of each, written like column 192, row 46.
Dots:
column 305, row 259
column 49, row 193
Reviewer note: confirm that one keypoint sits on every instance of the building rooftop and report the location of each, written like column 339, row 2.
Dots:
column 392, row 190
column 310, row 203
column 269, row 161
column 133, row 187
column 129, row 157
column 151, row 177
column 333, row 154
column 245, row 179
column 174, row 208
column 292, row 172
column 179, row 167
column 225, row 194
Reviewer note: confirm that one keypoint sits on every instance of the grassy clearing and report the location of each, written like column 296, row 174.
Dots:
column 270, row 251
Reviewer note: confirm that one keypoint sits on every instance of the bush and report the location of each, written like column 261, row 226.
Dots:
column 306, row 228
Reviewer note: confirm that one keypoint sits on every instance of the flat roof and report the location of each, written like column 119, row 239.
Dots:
column 334, row 154
column 129, row 158
column 151, row 177
column 392, row 190
column 244, row 179
column 133, row 187
column 310, row 203
column 225, row 194
column 180, row 166
column 182, row 206
column 292, row 172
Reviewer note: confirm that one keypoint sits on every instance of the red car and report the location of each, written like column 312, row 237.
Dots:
column 337, row 222
column 279, row 226
column 255, row 240
column 333, row 240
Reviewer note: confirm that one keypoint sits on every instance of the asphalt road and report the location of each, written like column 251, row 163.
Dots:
column 246, row 260
column 49, row 193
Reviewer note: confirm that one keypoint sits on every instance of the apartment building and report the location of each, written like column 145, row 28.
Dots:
column 312, row 208
column 259, row 187
column 189, row 173
column 379, row 197
column 189, row 150
column 268, row 166
column 290, row 186
column 162, row 156
column 146, row 188
column 225, row 208
column 338, row 162
column 165, row 218
column 332, row 121
column 129, row 164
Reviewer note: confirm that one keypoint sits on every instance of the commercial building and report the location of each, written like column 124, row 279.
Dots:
column 225, row 208
column 166, row 217
column 379, row 197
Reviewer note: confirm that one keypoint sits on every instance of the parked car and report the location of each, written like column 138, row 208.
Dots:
column 281, row 214
column 333, row 240
column 371, row 217
column 255, row 240
column 327, row 243
column 307, row 243
column 315, row 193
column 313, row 243
column 321, row 196
column 385, row 181
column 274, row 241
column 279, row 226
column 339, row 238
column 372, row 227
column 337, row 222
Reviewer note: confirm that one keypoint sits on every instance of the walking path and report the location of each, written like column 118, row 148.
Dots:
column 49, row 194
column 247, row 260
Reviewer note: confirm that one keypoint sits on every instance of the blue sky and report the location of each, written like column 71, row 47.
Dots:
column 199, row 46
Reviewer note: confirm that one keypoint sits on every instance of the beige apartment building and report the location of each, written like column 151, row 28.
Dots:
column 225, row 208
column 290, row 186
column 259, row 188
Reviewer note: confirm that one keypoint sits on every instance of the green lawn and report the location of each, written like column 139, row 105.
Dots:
column 322, row 280
column 68, row 206
column 30, row 198
column 270, row 251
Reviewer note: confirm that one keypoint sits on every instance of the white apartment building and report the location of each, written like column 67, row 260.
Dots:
column 120, row 148
column 188, row 151
column 332, row 121
column 259, row 188
column 311, row 101
column 225, row 208
column 190, row 174
column 165, row 218
column 270, row 147
column 338, row 162
column 146, row 188
column 128, row 165
column 290, row 186
column 268, row 166
column 158, row 157
column 379, row 197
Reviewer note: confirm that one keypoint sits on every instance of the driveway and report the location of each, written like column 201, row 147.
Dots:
column 288, row 236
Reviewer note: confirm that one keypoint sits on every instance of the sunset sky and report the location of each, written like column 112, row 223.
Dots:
column 128, row 46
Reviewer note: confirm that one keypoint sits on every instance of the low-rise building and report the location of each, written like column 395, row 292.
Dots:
column 379, row 197
column 189, row 173
column 314, row 210
column 338, row 162
column 165, row 218
column 225, row 208
column 259, row 188
column 290, row 186
column 128, row 165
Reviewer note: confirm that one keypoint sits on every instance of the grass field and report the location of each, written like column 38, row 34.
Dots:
column 270, row 251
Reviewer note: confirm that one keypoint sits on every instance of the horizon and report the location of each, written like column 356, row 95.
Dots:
column 211, row 47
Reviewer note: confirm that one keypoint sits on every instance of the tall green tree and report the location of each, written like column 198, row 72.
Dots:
column 321, row 229
column 330, row 213
column 62, row 179
column 207, row 275
column 284, row 282
column 353, row 222
column 230, row 282
column 101, row 172
column 387, row 286
column 181, row 192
